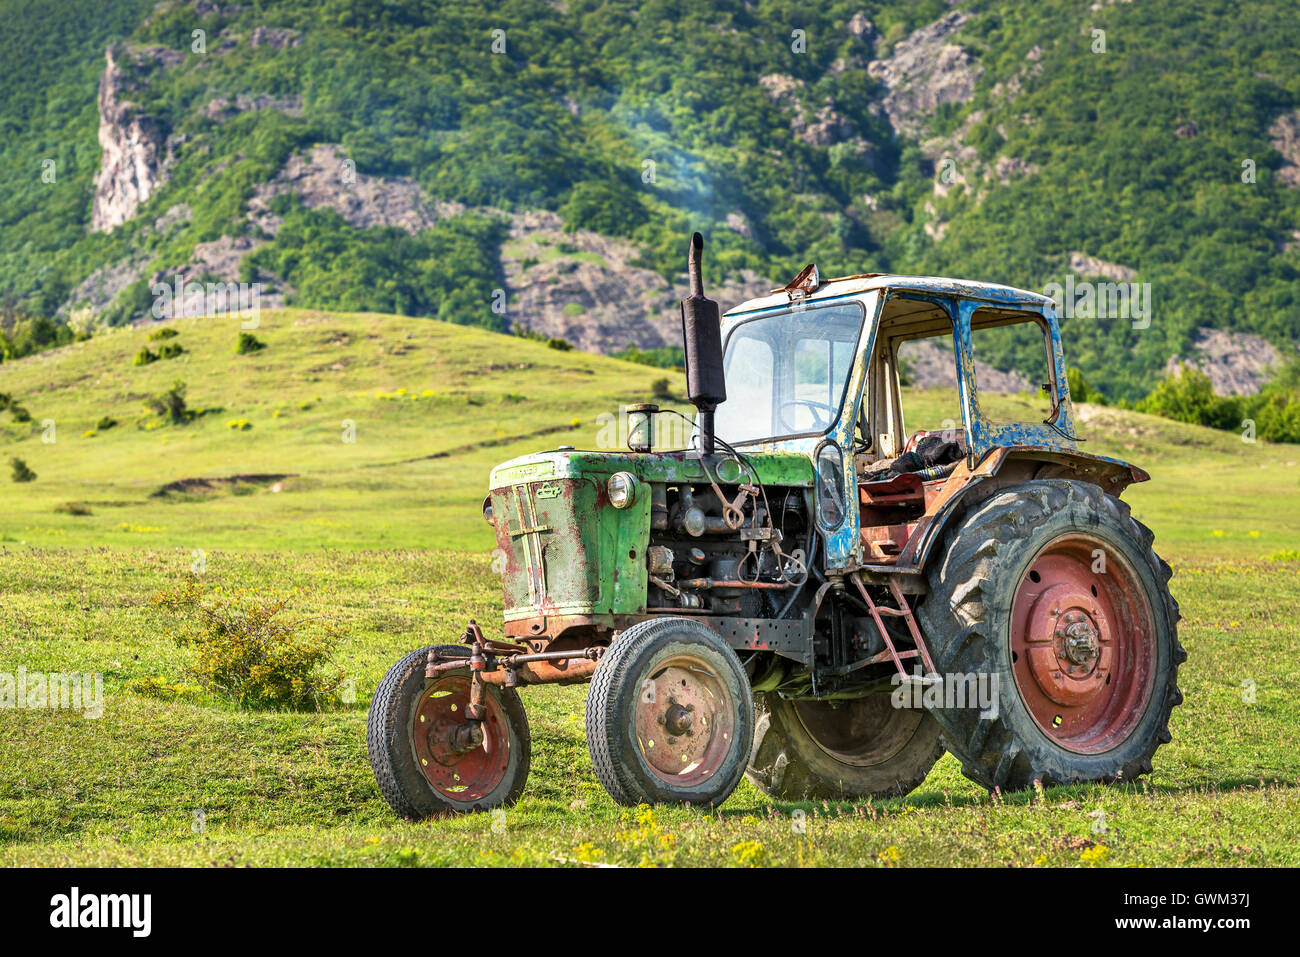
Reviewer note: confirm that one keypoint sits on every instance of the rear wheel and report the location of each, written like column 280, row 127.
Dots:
column 1051, row 590
column 841, row 750
column 425, row 757
column 670, row 716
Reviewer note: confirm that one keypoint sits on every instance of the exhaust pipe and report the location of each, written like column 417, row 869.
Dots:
column 702, row 335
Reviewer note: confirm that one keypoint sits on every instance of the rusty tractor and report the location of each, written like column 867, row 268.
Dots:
column 808, row 594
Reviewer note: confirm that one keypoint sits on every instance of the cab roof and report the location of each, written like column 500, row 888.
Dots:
column 865, row 282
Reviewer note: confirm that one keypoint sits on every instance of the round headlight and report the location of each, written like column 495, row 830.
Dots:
column 622, row 489
column 487, row 511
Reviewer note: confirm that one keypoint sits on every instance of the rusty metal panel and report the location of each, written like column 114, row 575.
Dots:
column 568, row 551
column 791, row 638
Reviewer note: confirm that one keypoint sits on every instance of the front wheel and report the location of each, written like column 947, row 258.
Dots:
column 1049, row 602
column 424, row 761
column 670, row 717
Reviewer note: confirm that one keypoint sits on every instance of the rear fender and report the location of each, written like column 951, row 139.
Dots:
column 1010, row 465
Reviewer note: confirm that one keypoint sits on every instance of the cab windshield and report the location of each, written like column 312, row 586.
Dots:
column 787, row 372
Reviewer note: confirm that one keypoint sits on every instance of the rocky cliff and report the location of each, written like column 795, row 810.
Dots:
column 136, row 151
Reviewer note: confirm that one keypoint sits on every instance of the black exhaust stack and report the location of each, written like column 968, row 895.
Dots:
column 702, row 335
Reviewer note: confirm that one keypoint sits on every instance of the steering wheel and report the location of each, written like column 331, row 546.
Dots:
column 820, row 425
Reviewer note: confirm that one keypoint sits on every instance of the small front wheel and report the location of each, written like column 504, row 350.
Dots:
column 670, row 717
column 426, row 758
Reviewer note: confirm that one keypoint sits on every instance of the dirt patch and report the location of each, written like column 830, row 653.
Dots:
column 190, row 488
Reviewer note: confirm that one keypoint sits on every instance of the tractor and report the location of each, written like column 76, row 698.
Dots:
column 808, row 594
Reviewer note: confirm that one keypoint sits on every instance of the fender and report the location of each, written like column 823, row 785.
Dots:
column 975, row 480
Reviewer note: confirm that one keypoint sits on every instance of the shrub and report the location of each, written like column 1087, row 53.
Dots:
column 73, row 508
column 144, row 357
column 662, row 388
column 164, row 333
column 106, row 422
column 247, row 648
column 560, row 344
column 170, row 403
column 1080, row 391
column 21, row 473
column 170, row 350
column 19, row 413
column 248, row 343
column 668, row 357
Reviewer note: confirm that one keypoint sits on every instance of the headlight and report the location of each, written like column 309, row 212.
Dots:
column 487, row 511
column 622, row 489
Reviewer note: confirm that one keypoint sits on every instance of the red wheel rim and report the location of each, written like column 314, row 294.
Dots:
column 685, row 721
column 1083, row 644
column 458, row 774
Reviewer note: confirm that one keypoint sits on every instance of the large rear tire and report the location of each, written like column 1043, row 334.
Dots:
column 841, row 750
column 1051, row 589
column 420, row 767
column 670, row 717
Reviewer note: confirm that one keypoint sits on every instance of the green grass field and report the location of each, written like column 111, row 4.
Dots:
column 383, row 536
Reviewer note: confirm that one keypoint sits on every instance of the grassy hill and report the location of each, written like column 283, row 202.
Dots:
column 433, row 406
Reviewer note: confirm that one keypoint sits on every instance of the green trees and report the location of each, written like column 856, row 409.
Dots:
column 1273, row 414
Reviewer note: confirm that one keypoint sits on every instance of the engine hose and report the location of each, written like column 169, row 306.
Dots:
column 812, row 558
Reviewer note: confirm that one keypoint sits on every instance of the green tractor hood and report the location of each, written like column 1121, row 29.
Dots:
column 568, row 552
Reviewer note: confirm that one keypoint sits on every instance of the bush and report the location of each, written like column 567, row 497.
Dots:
column 21, row 473
column 107, row 422
column 170, row 350
column 164, row 333
column 1189, row 396
column 248, row 343
column 666, row 357
column 144, row 357
column 1080, row 391
column 662, row 388
column 19, row 413
column 247, row 649
column 170, row 403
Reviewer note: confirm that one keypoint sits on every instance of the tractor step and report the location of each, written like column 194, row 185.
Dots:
column 904, row 611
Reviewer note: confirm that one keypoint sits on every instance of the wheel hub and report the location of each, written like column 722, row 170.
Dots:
column 678, row 720
column 684, row 721
column 1078, row 641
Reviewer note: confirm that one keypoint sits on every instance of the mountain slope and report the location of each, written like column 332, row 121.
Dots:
column 402, row 157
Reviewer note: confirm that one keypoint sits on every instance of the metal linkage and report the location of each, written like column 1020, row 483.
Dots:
column 493, row 662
